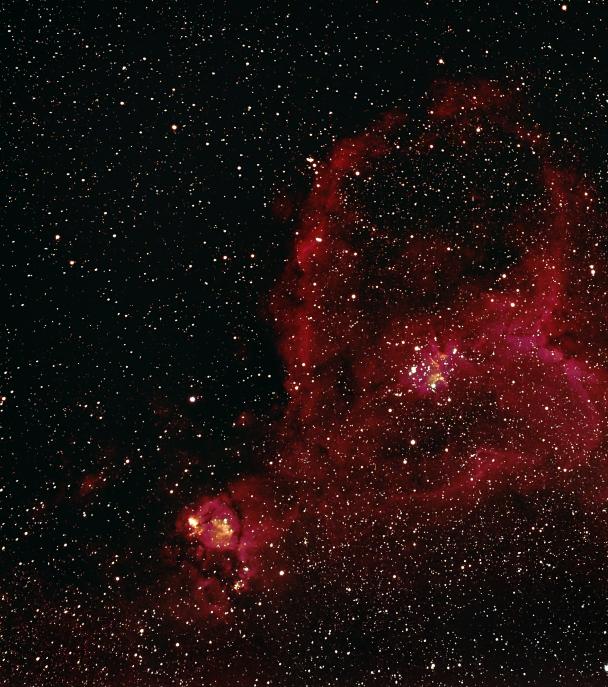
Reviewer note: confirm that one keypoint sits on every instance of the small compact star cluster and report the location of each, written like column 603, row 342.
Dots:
column 305, row 373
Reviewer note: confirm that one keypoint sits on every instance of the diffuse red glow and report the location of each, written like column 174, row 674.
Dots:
column 420, row 384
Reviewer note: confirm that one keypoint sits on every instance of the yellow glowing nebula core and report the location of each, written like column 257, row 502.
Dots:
column 435, row 374
column 220, row 531
column 217, row 532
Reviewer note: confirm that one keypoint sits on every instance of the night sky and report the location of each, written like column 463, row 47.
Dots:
column 305, row 349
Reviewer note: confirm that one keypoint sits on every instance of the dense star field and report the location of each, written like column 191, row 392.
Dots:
column 305, row 375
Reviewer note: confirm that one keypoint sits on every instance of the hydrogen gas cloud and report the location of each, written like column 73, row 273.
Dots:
column 441, row 459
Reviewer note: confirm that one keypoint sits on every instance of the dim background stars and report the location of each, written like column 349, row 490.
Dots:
column 154, row 157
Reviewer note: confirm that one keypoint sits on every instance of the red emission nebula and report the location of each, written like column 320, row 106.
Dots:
column 440, row 322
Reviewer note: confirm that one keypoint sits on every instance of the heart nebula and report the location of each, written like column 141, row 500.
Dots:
column 441, row 326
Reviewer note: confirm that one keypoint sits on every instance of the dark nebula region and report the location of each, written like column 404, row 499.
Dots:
column 437, row 476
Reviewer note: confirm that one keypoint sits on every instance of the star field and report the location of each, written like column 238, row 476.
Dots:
column 305, row 360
